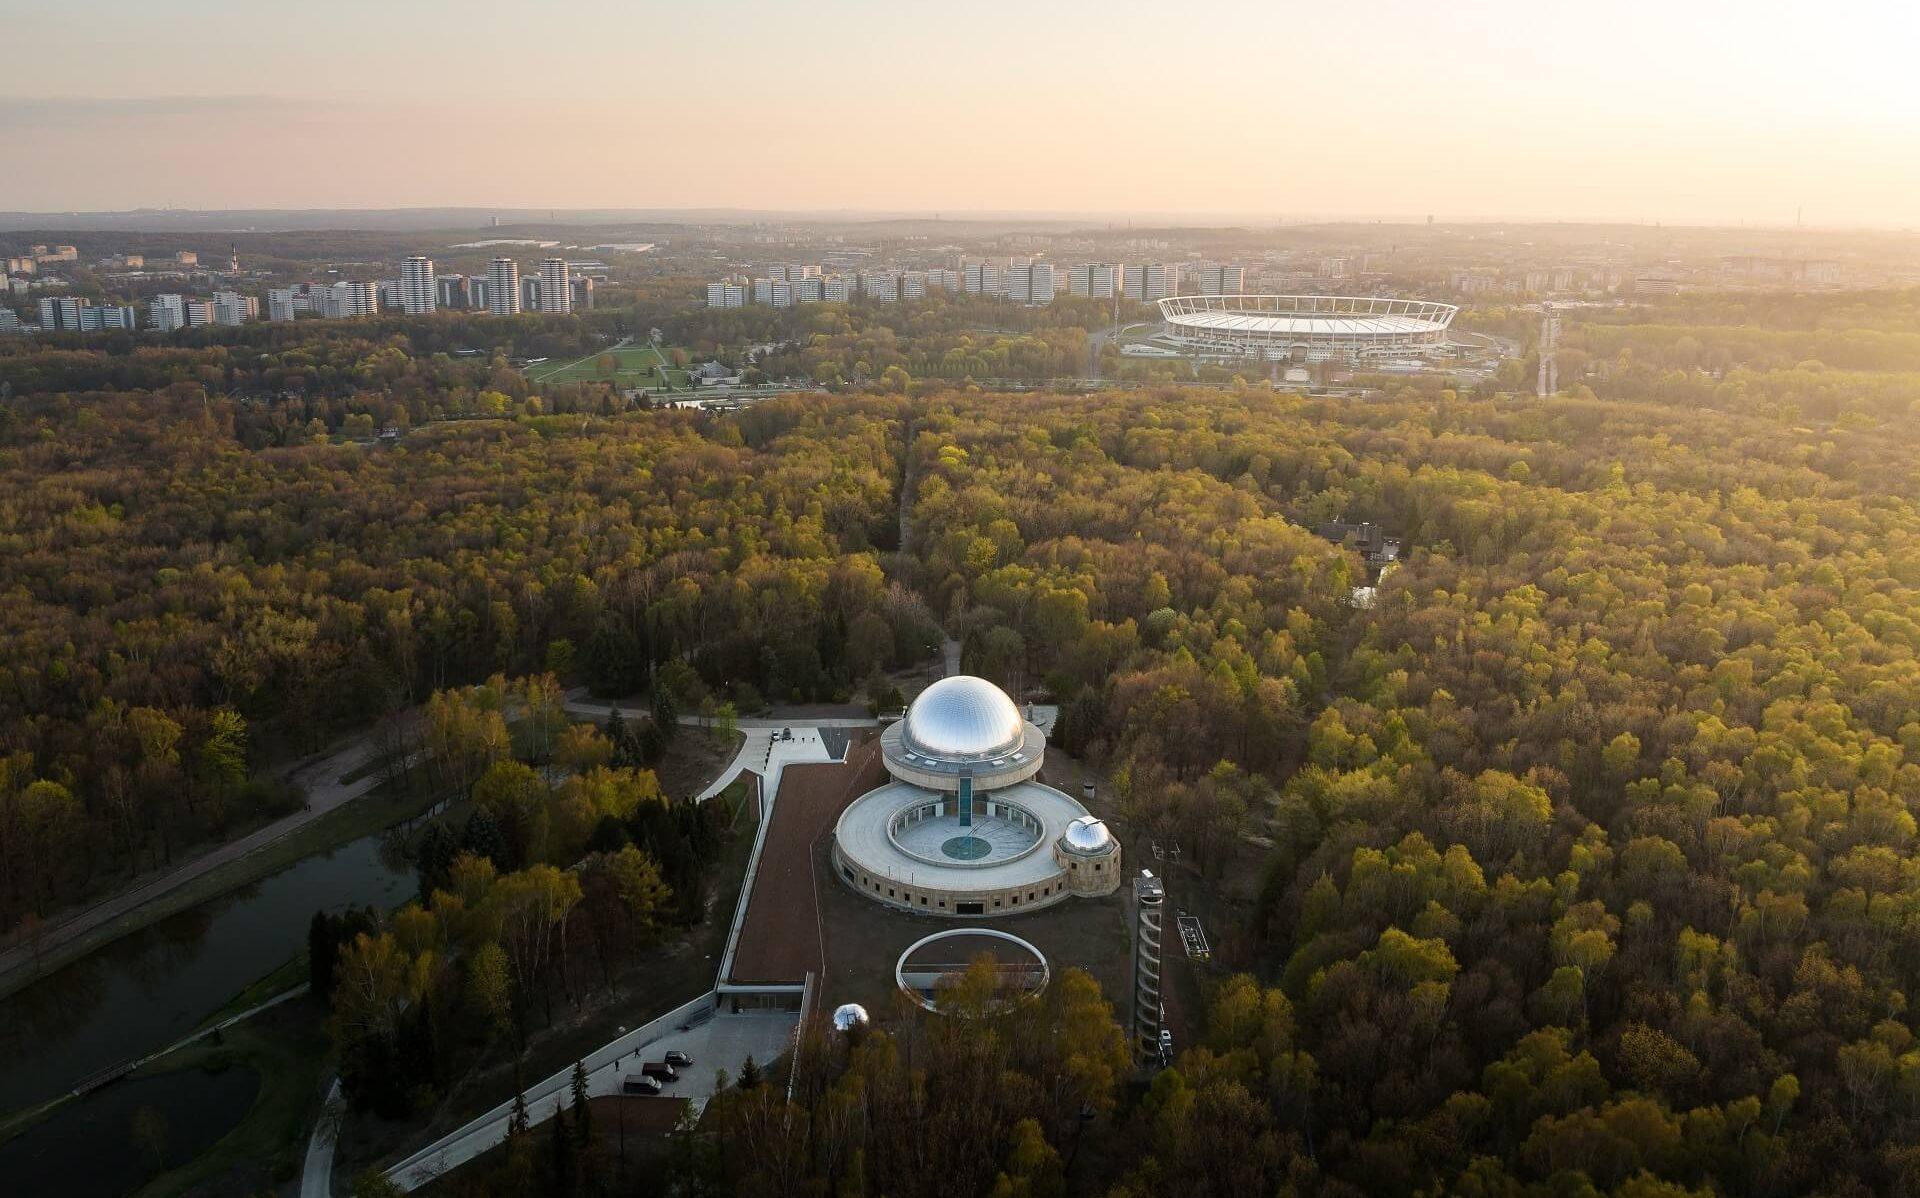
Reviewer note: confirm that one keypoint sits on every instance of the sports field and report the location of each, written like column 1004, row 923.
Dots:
column 625, row 365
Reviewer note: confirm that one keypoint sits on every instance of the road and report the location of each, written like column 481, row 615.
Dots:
column 722, row 1041
column 319, row 780
column 714, row 1042
column 1097, row 341
column 316, row 1178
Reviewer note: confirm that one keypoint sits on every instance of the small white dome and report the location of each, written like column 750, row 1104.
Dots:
column 1087, row 834
column 964, row 717
column 849, row 1016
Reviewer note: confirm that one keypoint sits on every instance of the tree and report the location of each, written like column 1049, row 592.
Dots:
column 561, row 1141
column 149, row 1134
column 582, row 1106
column 223, row 754
column 372, row 1183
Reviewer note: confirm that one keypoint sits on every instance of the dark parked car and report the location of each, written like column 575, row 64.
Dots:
column 639, row 1083
column 678, row 1059
column 660, row 1070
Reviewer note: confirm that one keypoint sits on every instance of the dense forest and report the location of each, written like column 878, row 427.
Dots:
column 1586, row 852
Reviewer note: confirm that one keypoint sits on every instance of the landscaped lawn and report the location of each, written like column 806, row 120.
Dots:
column 631, row 365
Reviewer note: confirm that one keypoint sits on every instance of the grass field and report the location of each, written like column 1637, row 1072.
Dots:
column 628, row 365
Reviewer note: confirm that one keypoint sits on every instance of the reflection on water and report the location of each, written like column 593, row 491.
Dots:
column 89, row 1149
column 146, row 990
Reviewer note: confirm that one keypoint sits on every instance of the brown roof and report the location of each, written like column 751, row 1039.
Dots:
column 780, row 939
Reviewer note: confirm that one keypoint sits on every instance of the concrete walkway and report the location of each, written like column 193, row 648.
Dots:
column 714, row 1042
column 319, row 780
column 757, row 746
column 316, row 1177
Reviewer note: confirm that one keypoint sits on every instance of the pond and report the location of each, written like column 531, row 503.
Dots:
column 111, row 1143
column 150, row 988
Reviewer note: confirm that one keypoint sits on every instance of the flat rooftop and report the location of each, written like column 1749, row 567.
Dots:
column 863, row 837
column 780, row 938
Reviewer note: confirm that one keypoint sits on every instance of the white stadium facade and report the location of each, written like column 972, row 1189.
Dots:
column 1312, row 328
column 963, row 828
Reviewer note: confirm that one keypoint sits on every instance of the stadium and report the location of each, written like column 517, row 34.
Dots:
column 963, row 827
column 1313, row 328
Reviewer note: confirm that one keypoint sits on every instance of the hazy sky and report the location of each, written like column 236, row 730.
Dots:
column 1679, row 110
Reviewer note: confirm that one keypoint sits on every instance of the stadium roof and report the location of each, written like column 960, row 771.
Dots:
column 1281, row 319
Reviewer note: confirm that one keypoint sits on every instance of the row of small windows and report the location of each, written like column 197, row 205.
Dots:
column 964, row 908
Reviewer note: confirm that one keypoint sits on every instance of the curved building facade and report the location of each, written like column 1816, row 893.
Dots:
column 962, row 828
column 1310, row 327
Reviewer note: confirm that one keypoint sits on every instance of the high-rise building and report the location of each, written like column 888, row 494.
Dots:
column 1151, row 280
column 1030, row 283
column 983, row 278
column 763, row 291
column 530, row 293
column 1098, row 280
column 280, row 304
column 583, row 293
column 452, row 291
column 726, row 295
column 60, row 313
column 418, row 296
column 71, row 314
column 349, row 298
column 503, row 287
column 836, row 289
column 780, row 293
column 939, row 279
column 232, row 308
column 165, row 313
column 913, row 285
column 555, row 294
column 809, row 290
column 882, row 286
column 1216, row 279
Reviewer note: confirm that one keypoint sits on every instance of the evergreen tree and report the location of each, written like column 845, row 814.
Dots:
column 323, row 952
column 561, row 1142
column 582, row 1108
column 749, row 1074
column 517, row 1122
column 433, row 859
column 483, row 838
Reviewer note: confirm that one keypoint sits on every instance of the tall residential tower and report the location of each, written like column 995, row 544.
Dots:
column 555, row 294
column 503, row 287
column 417, row 292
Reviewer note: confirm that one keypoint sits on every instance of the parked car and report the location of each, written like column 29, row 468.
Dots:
column 678, row 1059
column 639, row 1083
column 660, row 1070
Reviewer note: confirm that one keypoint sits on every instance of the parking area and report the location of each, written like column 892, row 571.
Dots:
column 713, row 1041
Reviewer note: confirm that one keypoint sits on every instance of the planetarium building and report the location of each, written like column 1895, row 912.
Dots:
column 962, row 828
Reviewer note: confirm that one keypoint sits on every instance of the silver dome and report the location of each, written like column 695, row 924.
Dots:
column 849, row 1016
column 1087, row 835
column 964, row 717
